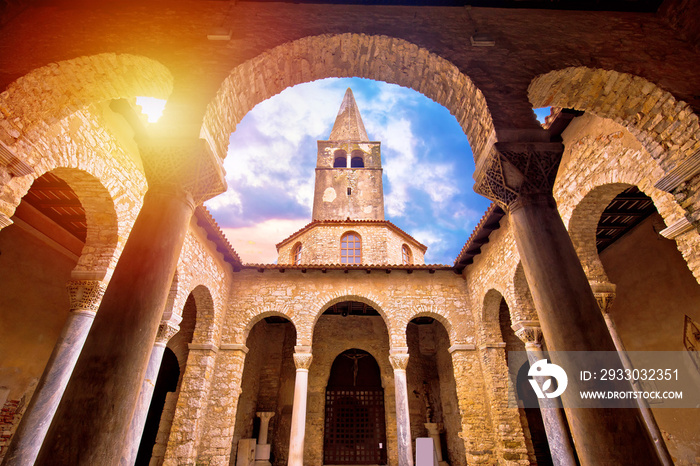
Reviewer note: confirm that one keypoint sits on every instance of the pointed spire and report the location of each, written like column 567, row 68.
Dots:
column 348, row 124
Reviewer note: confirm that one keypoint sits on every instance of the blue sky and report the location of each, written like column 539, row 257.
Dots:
column 428, row 167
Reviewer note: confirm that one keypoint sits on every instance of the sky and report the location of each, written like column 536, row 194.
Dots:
column 427, row 177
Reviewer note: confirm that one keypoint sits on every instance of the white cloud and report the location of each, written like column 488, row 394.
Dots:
column 256, row 244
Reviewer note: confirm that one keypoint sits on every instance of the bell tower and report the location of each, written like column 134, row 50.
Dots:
column 348, row 170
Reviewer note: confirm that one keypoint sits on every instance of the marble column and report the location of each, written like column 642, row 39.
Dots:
column 302, row 361
column 605, row 295
column 85, row 297
column 262, row 449
column 94, row 416
column 520, row 176
column 553, row 416
column 265, row 417
column 166, row 330
column 399, row 360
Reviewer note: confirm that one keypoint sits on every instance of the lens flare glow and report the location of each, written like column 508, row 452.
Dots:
column 151, row 107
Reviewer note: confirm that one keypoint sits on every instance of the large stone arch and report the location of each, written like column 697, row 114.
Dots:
column 490, row 323
column 666, row 127
column 601, row 163
column 248, row 326
column 377, row 57
column 306, row 329
column 443, row 319
column 206, row 313
column 77, row 143
column 48, row 94
column 101, row 250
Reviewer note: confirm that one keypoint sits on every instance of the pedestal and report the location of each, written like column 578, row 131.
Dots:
column 434, row 433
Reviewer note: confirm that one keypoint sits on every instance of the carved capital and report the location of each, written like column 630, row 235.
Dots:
column 265, row 415
column 166, row 330
column 302, row 360
column 183, row 165
column 529, row 332
column 514, row 168
column 399, row 361
column 85, row 295
column 604, row 295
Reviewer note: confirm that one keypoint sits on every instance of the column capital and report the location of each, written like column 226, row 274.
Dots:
column 511, row 169
column 265, row 415
column 183, row 165
column 85, row 295
column 604, row 293
column 302, row 360
column 166, row 330
column 529, row 332
column 399, row 361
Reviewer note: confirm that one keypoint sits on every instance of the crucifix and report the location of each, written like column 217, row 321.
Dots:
column 354, row 357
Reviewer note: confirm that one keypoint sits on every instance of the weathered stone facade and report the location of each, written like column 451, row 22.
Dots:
column 635, row 75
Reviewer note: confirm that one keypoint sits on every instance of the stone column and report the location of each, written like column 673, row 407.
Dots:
column 85, row 297
column 302, row 361
column 605, row 295
column 551, row 410
column 262, row 450
column 166, row 330
column 94, row 416
column 520, row 176
column 399, row 360
column 265, row 417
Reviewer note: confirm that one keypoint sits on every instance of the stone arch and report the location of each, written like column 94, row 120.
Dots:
column 101, row 250
column 378, row 57
column 666, row 127
column 48, row 94
column 490, row 319
column 206, row 314
column 446, row 323
column 78, row 144
column 583, row 225
column 258, row 317
column 305, row 330
column 384, row 368
column 586, row 215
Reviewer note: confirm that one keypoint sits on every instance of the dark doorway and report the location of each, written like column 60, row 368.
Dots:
column 355, row 430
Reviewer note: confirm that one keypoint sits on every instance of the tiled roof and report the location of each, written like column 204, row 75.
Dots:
column 315, row 223
column 216, row 236
column 388, row 268
column 480, row 236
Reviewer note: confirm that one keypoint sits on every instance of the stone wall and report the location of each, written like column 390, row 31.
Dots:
column 320, row 244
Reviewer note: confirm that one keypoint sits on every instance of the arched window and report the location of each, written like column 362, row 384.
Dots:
column 296, row 254
column 357, row 160
column 350, row 249
column 406, row 255
column 341, row 159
